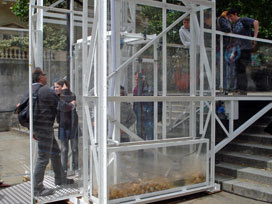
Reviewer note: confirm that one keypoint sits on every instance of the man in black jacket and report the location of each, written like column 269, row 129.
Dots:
column 43, row 119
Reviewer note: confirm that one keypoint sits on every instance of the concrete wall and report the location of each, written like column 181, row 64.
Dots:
column 14, row 84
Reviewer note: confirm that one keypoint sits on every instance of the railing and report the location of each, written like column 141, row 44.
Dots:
column 259, row 68
column 14, row 53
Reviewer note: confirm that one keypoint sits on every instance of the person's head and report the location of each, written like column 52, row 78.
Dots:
column 138, row 76
column 59, row 85
column 38, row 76
column 186, row 22
column 224, row 14
column 233, row 15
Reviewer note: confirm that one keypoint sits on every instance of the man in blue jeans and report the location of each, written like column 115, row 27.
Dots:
column 43, row 119
column 242, row 26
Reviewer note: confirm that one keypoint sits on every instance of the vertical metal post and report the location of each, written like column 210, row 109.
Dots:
column 193, row 63
column 32, row 2
column 72, row 73
column 102, row 100
column 39, row 36
column 213, row 94
column 231, row 117
column 201, row 68
column 85, row 93
column 113, row 65
column 155, row 72
column 221, row 64
column 164, row 70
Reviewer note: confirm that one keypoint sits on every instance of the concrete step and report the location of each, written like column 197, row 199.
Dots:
column 263, row 120
column 248, row 189
column 250, row 147
column 242, row 172
column 256, row 129
column 245, row 159
column 262, row 138
column 227, row 169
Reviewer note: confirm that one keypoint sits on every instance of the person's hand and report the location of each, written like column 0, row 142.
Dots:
column 64, row 87
column 74, row 103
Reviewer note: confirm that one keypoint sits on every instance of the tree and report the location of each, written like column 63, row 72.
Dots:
column 249, row 8
column 54, row 36
column 259, row 10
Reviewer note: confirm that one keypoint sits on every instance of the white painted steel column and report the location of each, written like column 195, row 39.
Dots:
column 39, row 37
column 30, row 64
column 155, row 75
column 231, row 117
column 201, row 68
column 85, row 93
column 164, row 70
column 192, row 130
column 72, row 71
column 221, row 87
column 102, row 100
column 113, row 66
column 212, row 151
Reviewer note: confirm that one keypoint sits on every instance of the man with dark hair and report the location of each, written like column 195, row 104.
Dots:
column 43, row 119
column 242, row 26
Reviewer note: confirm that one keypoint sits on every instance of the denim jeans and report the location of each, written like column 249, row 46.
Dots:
column 65, row 135
column 47, row 149
column 230, row 77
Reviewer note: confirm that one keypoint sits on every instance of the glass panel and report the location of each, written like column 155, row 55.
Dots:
column 14, row 158
column 253, row 66
column 155, row 169
column 57, row 122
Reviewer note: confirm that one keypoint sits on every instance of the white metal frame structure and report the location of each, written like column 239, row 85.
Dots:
column 98, row 153
column 233, row 101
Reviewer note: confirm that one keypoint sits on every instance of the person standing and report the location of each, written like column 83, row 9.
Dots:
column 68, row 126
column 144, row 110
column 43, row 119
column 242, row 26
column 184, row 32
column 224, row 25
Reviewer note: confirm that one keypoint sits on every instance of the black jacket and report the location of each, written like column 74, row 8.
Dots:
column 67, row 119
column 45, row 111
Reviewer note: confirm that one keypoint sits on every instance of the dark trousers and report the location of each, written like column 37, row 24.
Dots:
column 47, row 149
column 65, row 135
column 241, row 65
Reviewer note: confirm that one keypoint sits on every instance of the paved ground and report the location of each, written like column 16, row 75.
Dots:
column 14, row 162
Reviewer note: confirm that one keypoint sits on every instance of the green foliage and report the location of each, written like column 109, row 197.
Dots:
column 21, row 7
column 54, row 37
column 154, row 17
column 14, row 41
column 259, row 10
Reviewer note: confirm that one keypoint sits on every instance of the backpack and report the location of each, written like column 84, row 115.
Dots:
column 23, row 109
